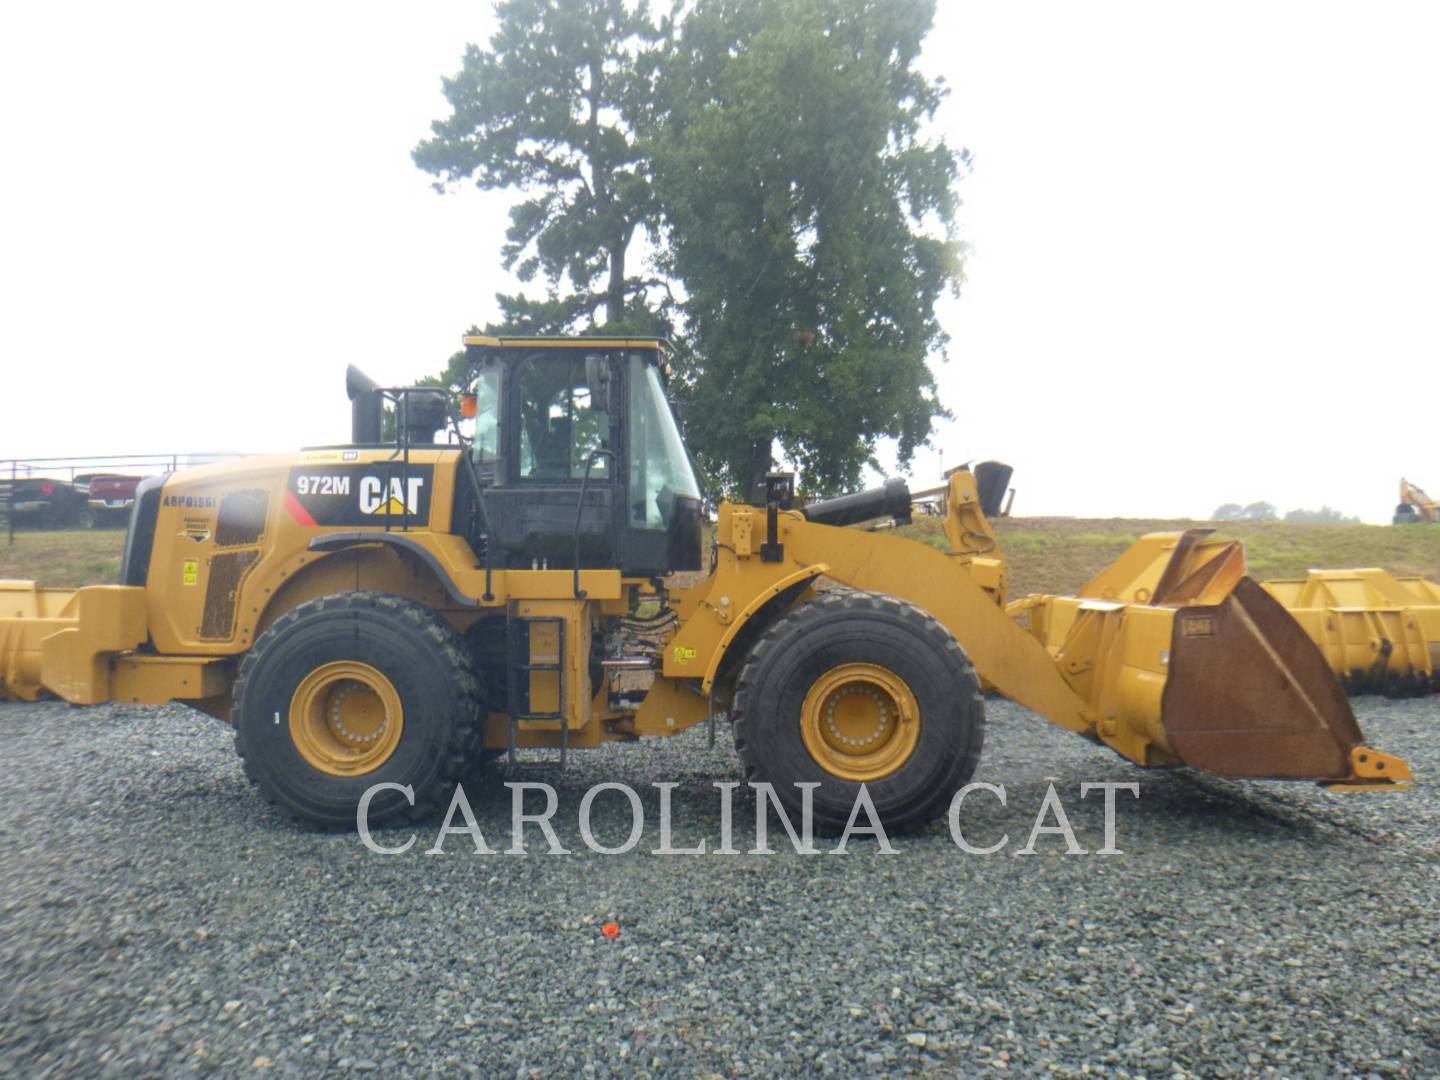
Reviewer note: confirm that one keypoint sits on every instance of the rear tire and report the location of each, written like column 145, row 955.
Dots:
column 1405, row 514
column 859, row 688
column 353, row 690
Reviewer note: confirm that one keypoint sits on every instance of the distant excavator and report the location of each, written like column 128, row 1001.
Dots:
column 1415, row 507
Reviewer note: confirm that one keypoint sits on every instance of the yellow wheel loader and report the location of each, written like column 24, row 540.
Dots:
column 391, row 612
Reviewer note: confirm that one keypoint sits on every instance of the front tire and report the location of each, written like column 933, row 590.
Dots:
column 353, row 690
column 856, row 688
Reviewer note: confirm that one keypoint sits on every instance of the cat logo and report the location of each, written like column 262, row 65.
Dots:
column 402, row 498
column 380, row 494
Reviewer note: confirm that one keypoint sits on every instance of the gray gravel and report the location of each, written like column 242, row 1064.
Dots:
column 159, row 919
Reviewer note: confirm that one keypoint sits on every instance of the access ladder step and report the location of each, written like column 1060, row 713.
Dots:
column 520, row 665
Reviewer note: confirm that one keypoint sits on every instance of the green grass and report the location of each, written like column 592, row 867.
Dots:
column 1059, row 555
column 64, row 558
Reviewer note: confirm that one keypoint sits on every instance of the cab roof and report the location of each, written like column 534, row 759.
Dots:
column 484, row 341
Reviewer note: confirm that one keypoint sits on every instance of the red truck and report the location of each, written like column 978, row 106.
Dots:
column 110, row 491
column 109, row 494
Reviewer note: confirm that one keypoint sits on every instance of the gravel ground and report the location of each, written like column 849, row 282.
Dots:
column 159, row 919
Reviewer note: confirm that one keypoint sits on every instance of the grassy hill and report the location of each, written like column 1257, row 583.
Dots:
column 1045, row 554
column 1058, row 555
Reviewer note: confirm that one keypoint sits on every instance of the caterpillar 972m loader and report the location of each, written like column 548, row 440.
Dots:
column 394, row 611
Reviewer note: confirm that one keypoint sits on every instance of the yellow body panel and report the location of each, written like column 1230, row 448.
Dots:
column 671, row 706
column 138, row 679
column 207, row 593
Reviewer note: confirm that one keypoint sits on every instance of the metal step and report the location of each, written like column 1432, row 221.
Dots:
column 519, row 667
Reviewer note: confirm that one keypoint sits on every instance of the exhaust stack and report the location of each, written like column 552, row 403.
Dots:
column 366, row 406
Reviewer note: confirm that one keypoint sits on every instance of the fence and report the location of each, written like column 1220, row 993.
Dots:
column 19, row 476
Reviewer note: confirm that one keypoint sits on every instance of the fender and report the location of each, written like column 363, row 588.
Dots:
column 341, row 541
column 758, row 601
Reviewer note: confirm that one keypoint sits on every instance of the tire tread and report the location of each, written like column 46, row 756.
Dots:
column 467, row 737
column 836, row 603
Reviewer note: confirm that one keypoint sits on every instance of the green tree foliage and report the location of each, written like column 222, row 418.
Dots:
column 799, row 200
column 772, row 151
column 1256, row 511
column 1324, row 516
column 551, row 110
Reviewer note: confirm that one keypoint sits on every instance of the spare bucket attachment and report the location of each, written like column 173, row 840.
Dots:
column 63, row 640
column 1380, row 634
column 79, row 644
column 1186, row 661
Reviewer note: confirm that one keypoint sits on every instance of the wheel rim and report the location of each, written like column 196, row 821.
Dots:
column 860, row 722
column 346, row 718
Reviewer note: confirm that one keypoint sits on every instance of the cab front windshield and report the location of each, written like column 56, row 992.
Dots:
column 659, row 467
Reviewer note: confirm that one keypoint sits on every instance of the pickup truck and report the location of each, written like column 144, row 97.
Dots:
column 110, row 493
column 47, row 503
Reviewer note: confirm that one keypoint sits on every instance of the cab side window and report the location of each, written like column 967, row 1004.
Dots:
column 486, row 435
column 562, row 416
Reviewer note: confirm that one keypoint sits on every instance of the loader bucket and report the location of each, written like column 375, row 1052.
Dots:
column 1249, row 695
column 1186, row 661
column 1379, row 633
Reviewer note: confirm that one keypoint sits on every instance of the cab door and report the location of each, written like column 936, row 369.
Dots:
column 559, row 420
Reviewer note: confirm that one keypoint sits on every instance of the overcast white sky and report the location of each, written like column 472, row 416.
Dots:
column 1204, row 237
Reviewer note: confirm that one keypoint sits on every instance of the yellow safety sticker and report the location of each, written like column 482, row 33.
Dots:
column 191, row 571
column 683, row 655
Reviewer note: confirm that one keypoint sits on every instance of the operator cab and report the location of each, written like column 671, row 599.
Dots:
column 578, row 424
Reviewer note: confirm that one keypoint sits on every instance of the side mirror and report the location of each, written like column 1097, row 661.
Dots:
column 597, row 377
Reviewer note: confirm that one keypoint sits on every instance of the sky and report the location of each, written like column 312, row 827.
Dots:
column 1202, row 238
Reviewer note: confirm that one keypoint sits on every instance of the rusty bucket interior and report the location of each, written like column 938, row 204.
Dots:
column 1249, row 694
